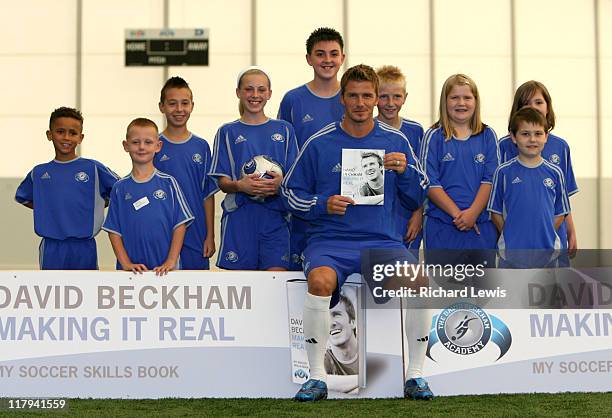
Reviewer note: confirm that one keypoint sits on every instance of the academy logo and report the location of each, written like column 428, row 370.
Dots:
column 231, row 256
column 239, row 139
column 307, row 118
column 555, row 159
column 81, row 176
column 164, row 158
column 159, row 194
column 548, row 182
column 448, row 157
column 301, row 374
column 337, row 168
column 128, row 196
column 479, row 158
column 466, row 329
column 278, row 138
column 197, row 158
column 46, row 176
column 517, row 180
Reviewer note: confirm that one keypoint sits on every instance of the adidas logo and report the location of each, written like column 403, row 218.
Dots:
column 307, row 118
column 517, row 180
column 448, row 157
column 164, row 158
column 311, row 341
column 45, row 176
column 423, row 339
column 239, row 139
column 337, row 168
column 128, row 196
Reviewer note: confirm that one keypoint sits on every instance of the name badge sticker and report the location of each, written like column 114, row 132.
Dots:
column 140, row 203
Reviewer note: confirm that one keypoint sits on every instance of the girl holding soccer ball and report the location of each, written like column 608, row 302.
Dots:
column 250, row 156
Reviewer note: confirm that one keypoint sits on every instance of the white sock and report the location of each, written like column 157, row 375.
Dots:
column 316, row 330
column 417, row 325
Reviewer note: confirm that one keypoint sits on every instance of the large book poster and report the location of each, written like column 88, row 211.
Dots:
column 363, row 176
column 345, row 354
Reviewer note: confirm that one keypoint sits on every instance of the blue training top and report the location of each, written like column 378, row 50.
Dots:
column 68, row 197
column 144, row 214
column 529, row 199
column 316, row 176
column 188, row 162
column 308, row 112
column 459, row 167
column 237, row 142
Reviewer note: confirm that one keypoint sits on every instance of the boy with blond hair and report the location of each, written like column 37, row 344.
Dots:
column 148, row 213
column 391, row 98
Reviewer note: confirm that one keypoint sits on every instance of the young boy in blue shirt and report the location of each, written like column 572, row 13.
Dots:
column 391, row 98
column 187, row 158
column 68, row 196
column 312, row 106
column 148, row 213
column 529, row 199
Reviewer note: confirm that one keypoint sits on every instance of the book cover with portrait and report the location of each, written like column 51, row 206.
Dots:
column 345, row 352
column 363, row 176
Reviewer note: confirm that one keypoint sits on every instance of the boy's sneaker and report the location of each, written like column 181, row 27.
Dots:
column 417, row 389
column 312, row 390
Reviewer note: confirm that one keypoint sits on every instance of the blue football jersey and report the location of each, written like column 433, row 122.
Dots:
column 529, row 199
column 144, row 214
column 188, row 162
column 236, row 143
column 308, row 112
column 316, row 176
column 459, row 167
column 68, row 197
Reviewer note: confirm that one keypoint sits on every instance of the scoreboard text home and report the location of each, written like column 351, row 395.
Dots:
column 166, row 47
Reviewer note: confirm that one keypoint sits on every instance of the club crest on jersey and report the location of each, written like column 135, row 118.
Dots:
column 548, row 182
column 555, row 159
column 197, row 158
column 278, row 137
column 231, row 256
column 479, row 158
column 81, row 176
column 159, row 194
column 465, row 329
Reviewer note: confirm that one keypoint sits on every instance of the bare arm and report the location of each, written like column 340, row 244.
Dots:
column 178, row 235
column 572, row 240
column 209, row 242
column 498, row 220
column 443, row 201
column 252, row 185
column 559, row 221
column 122, row 255
column 467, row 218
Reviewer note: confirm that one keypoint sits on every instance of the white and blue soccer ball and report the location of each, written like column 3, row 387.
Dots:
column 260, row 165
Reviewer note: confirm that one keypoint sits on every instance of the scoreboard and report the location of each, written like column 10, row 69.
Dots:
column 159, row 47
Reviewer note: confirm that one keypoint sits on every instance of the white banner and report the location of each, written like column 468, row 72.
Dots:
column 195, row 334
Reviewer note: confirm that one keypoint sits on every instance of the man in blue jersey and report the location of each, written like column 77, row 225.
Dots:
column 68, row 196
column 148, row 213
column 314, row 105
column 339, row 229
column 187, row 158
column 529, row 200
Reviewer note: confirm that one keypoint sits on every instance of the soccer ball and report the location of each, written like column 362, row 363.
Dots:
column 259, row 165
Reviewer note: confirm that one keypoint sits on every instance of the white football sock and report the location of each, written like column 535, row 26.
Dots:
column 417, row 325
column 316, row 332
